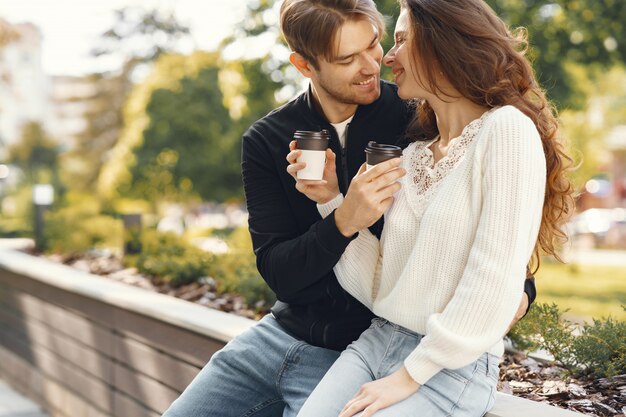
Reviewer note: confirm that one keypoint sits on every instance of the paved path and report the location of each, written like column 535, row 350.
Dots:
column 13, row 404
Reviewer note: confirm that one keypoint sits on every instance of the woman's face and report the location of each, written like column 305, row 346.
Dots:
column 403, row 62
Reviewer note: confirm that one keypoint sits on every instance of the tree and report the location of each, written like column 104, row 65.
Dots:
column 183, row 127
column 35, row 154
column 587, row 32
column 138, row 37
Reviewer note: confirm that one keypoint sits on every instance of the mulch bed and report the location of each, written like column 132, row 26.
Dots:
column 520, row 375
column 525, row 377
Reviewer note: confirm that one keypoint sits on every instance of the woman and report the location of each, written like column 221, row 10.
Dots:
column 484, row 193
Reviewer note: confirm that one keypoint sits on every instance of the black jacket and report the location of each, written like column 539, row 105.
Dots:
column 296, row 250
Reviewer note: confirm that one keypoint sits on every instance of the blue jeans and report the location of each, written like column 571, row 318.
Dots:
column 264, row 372
column 380, row 351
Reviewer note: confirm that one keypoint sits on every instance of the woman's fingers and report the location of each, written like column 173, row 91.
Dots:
column 379, row 169
column 356, row 405
column 389, row 177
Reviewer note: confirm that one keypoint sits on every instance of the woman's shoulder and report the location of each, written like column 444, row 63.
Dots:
column 509, row 130
column 510, row 115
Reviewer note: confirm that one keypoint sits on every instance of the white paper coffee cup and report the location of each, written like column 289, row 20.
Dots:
column 315, row 162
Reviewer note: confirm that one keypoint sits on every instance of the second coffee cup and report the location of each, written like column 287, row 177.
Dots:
column 313, row 151
column 375, row 153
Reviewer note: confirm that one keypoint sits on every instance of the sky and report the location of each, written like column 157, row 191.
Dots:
column 70, row 28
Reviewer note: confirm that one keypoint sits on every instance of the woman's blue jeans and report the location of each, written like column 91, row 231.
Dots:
column 380, row 351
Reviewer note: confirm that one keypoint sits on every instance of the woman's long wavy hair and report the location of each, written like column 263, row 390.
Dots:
column 485, row 62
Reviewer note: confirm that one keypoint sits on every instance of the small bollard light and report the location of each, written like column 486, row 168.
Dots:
column 132, row 233
column 43, row 197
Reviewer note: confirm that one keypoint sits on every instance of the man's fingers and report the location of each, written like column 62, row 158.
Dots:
column 292, row 145
column 312, row 183
column 295, row 167
column 293, row 156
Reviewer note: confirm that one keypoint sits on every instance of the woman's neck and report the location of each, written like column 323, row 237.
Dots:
column 452, row 117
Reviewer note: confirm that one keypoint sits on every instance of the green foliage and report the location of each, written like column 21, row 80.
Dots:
column 183, row 127
column 543, row 327
column 17, row 214
column 236, row 272
column 599, row 350
column 587, row 32
column 170, row 259
column 78, row 227
column 36, row 154
column 189, row 149
column 138, row 36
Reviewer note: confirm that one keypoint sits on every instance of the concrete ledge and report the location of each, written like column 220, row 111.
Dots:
column 139, row 343
column 161, row 307
column 512, row 406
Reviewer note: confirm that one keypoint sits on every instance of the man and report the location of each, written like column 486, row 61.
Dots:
column 271, row 369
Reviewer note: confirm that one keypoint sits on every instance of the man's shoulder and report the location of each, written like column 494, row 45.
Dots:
column 279, row 119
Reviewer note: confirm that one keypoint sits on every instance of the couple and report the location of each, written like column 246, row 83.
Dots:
column 478, row 192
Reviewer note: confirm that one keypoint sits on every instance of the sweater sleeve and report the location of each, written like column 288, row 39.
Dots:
column 485, row 301
column 358, row 269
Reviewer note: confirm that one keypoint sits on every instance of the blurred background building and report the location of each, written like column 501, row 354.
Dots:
column 24, row 87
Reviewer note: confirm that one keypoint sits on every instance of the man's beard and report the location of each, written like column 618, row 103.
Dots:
column 344, row 96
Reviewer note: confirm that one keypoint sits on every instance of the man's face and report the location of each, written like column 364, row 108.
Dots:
column 353, row 76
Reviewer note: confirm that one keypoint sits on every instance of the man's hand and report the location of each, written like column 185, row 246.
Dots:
column 381, row 393
column 321, row 191
column 521, row 311
column 369, row 196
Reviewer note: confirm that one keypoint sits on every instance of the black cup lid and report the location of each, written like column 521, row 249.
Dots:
column 383, row 149
column 311, row 140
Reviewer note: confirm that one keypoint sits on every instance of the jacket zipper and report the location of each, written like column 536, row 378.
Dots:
column 344, row 160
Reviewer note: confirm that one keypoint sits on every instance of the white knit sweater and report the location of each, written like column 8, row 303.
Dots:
column 452, row 258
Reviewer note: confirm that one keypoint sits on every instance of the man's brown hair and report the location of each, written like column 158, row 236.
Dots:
column 311, row 26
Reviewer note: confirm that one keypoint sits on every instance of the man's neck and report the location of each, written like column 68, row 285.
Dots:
column 332, row 110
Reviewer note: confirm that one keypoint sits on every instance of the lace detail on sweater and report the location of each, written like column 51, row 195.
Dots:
column 423, row 175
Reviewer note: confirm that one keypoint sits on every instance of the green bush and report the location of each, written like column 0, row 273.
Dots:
column 236, row 271
column 599, row 350
column 79, row 227
column 17, row 220
column 170, row 259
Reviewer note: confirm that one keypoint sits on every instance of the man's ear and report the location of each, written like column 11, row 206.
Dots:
column 302, row 64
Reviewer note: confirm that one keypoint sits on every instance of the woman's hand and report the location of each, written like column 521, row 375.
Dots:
column 320, row 191
column 369, row 196
column 381, row 393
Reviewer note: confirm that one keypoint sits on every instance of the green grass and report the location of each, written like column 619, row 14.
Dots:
column 586, row 290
